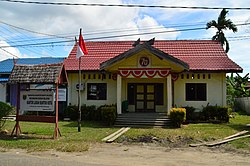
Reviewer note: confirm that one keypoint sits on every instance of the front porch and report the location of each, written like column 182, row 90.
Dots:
column 144, row 78
column 145, row 95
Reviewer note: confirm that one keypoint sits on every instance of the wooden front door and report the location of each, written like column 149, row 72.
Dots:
column 145, row 97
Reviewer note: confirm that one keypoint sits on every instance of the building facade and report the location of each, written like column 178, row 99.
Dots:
column 151, row 76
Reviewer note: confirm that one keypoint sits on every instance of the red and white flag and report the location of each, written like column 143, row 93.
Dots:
column 81, row 48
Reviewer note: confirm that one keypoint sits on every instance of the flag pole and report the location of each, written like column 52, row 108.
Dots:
column 81, row 50
column 79, row 92
column 79, row 96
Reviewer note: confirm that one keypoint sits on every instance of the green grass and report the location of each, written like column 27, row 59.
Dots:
column 39, row 136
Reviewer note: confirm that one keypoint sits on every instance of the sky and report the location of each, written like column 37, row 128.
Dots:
column 24, row 24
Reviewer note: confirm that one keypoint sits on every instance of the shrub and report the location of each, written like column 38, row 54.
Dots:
column 178, row 116
column 209, row 113
column 71, row 112
column 216, row 113
column 5, row 110
column 223, row 114
column 108, row 114
column 90, row 113
column 190, row 115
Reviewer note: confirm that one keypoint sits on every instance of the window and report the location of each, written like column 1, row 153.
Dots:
column 196, row 91
column 96, row 91
column 7, row 93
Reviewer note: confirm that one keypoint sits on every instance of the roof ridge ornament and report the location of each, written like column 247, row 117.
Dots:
column 151, row 41
column 136, row 42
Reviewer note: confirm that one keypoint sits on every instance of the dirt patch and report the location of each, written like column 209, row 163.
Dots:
column 176, row 142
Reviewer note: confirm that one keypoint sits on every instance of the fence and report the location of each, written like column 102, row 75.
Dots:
column 244, row 104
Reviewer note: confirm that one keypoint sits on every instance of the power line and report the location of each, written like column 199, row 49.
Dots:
column 53, row 36
column 34, row 44
column 9, row 52
column 104, row 37
column 40, row 33
column 23, row 36
column 114, row 36
column 124, row 5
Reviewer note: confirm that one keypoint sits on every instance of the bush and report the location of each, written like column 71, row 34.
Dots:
column 90, row 113
column 5, row 110
column 190, row 115
column 178, row 116
column 108, row 114
column 215, row 113
column 71, row 112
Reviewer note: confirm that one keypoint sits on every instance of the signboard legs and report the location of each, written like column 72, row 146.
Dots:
column 56, row 125
column 36, row 118
column 17, row 126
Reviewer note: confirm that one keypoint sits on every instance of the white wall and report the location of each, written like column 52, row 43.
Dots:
column 216, row 90
column 3, row 92
column 244, row 103
column 73, row 93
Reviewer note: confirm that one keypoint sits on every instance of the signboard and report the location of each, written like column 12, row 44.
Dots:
column 62, row 94
column 35, row 100
column 41, row 86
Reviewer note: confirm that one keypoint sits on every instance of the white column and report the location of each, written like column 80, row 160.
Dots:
column 119, row 94
column 224, row 90
column 169, row 92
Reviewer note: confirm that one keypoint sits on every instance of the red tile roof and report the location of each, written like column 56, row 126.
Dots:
column 205, row 55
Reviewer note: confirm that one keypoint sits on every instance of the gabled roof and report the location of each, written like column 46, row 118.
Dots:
column 7, row 65
column 50, row 73
column 200, row 55
column 140, row 47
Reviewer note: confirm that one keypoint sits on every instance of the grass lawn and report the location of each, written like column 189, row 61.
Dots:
column 39, row 136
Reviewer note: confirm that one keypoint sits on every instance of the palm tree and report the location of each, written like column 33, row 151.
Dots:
column 222, row 24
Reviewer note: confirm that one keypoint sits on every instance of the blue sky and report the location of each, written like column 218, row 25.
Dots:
column 65, row 21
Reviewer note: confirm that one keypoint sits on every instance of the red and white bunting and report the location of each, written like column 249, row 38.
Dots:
column 148, row 72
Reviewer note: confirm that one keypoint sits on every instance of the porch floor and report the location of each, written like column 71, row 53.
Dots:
column 143, row 120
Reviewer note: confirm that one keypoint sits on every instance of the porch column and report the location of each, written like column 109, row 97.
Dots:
column 169, row 92
column 119, row 94
column 224, row 90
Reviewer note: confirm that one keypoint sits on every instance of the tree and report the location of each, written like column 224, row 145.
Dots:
column 236, row 86
column 5, row 110
column 222, row 24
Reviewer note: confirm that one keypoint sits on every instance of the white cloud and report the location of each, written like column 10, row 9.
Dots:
column 69, row 19
column 147, row 22
column 8, row 52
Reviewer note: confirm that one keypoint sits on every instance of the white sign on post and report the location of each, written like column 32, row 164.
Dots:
column 41, row 86
column 62, row 94
column 35, row 100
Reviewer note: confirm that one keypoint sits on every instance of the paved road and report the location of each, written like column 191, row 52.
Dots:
column 127, row 155
column 24, row 159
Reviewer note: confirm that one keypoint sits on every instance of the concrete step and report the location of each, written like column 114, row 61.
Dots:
column 143, row 120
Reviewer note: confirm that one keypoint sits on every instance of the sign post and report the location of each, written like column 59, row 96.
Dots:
column 37, row 97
